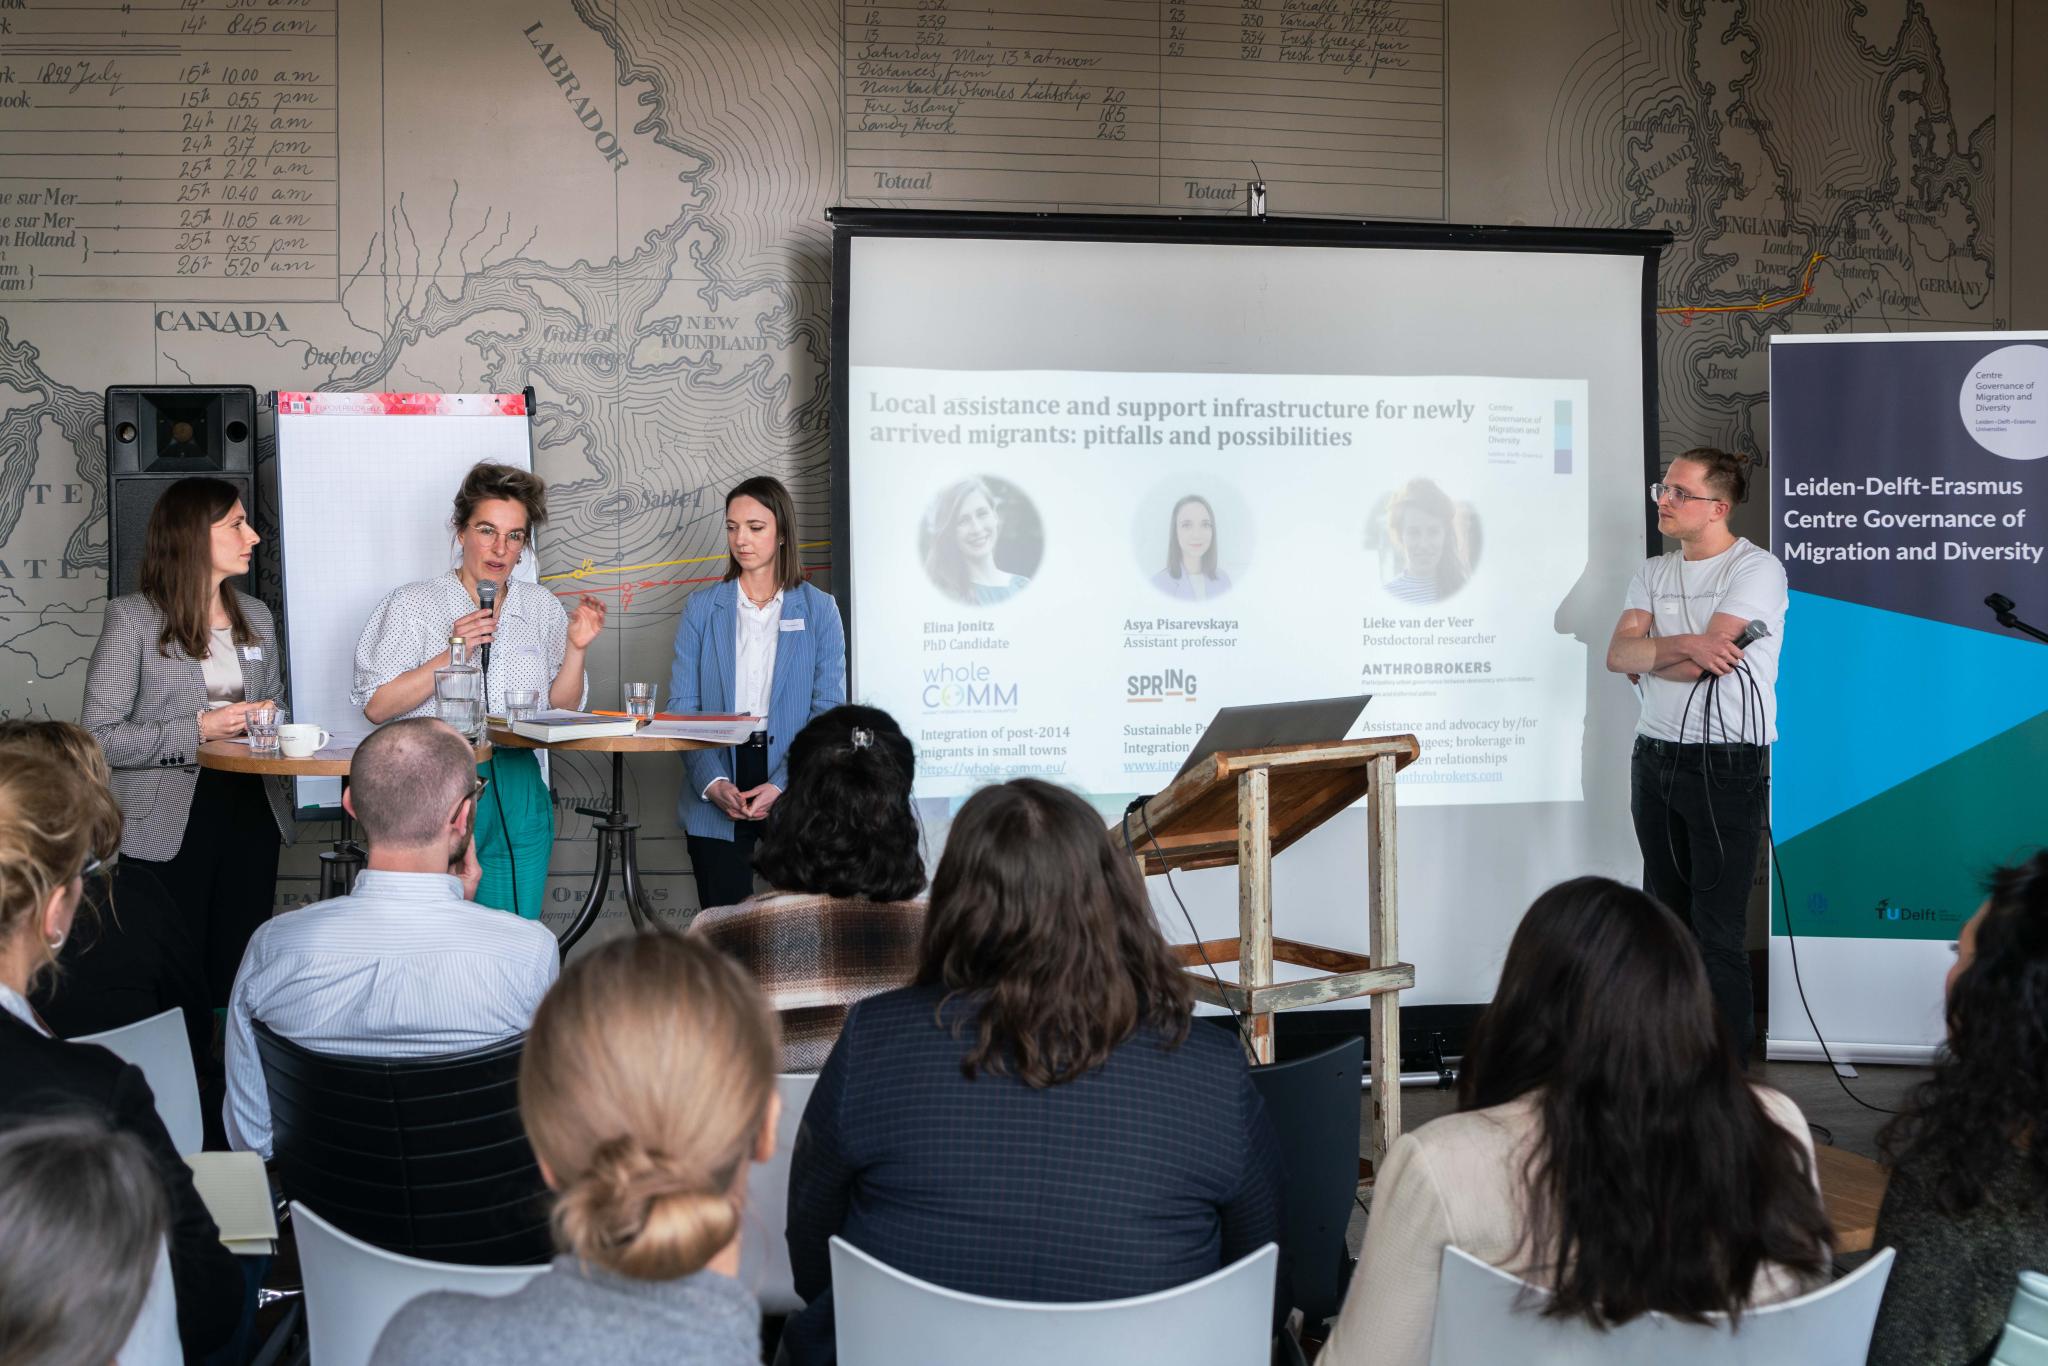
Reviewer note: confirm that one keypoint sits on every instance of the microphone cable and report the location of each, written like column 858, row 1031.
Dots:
column 1791, row 937
column 498, row 788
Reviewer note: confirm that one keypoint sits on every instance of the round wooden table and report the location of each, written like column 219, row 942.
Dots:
column 614, row 826
column 338, row 865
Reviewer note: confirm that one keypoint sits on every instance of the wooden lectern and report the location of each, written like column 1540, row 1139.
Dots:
column 1242, row 807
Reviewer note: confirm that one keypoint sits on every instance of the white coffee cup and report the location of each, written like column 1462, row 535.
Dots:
column 302, row 741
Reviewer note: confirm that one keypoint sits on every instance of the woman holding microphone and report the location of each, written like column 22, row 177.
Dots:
column 181, row 661
column 760, row 643
column 535, row 644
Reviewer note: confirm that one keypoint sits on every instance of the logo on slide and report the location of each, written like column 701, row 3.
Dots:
column 967, row 687
column 1174, row 685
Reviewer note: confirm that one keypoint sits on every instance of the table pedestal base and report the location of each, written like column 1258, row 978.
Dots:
column 615, row 828
column 340, row 864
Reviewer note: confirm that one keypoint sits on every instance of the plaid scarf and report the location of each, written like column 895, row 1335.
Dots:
column 814, row 956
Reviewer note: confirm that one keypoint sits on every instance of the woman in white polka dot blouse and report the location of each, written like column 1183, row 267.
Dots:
column 534, row 644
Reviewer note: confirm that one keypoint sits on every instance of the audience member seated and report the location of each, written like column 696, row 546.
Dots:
column 56, row 826
column 1604, row 1128
column 841, row 851
column 647, row 1086
column 1967, row 1206
column 406, row 965
column 129, row 956
column 1033, row 1118
column 83, row 1256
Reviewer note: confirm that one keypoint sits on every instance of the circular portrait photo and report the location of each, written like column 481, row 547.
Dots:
column 1189, row 536
column 1428, row 543
column 981, row 541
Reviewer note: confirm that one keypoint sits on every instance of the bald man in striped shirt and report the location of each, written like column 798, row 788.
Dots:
column 406, row 965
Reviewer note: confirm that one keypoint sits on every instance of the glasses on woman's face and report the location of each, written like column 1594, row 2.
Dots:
column 484, row 531
column 96, row 866
column 1659, row 492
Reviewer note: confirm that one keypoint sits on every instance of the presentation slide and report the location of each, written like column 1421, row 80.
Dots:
column 1085, row 565
column 1095, row 489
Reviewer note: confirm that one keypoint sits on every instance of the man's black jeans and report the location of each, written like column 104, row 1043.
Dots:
column 1699, row 814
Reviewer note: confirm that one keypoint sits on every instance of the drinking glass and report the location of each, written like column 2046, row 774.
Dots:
column 640, row 701
column 262, row 722
column 520, row 703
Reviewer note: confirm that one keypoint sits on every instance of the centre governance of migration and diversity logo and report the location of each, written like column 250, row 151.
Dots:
column 1167, row 685
column 967, row 687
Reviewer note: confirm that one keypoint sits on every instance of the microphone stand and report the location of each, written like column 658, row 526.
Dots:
column 2001, row 607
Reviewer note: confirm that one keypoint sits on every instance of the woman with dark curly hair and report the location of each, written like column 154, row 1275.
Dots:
column 1967, row 1207
column 840, row 849
column 1033, row 1118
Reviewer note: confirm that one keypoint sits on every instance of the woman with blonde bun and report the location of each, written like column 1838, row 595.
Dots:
column 647, row 1087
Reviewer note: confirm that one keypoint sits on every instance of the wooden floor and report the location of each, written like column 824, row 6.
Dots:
column 1852, row 1187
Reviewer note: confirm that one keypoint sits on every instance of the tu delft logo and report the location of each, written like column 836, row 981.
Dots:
column 1899, row 912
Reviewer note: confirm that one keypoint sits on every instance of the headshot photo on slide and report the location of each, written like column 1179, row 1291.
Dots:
column 1189, row 535
column 981, row 540
column 1428, row 543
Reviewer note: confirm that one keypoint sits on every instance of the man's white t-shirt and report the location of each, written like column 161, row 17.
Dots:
column 1682, row 596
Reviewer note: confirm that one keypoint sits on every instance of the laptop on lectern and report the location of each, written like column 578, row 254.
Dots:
column 1277, row 723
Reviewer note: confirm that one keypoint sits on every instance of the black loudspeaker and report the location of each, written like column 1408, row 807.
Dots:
column 159, row 435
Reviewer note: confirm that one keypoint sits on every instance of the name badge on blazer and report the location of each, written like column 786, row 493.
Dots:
column 253, row 652
column 792, row 623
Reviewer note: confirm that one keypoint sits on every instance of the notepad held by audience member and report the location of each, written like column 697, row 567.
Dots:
column 237, row 1195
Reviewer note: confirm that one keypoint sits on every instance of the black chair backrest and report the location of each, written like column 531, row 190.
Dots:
column 424, row 1156
column 1315, row 1108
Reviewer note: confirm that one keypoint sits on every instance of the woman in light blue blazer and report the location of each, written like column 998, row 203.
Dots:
column 761, row 643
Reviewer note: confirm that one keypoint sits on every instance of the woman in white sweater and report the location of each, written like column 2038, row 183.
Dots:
column 1604, row 1128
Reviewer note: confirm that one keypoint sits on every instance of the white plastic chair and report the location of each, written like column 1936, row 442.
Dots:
column 161, row 1048
column 1484, row 1315
column 353, row 1289
column 885, row 1318
column 764, row 1237
column 2025, row 1340
column 153, row 1339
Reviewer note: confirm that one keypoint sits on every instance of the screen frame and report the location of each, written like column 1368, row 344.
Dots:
column 848, row 224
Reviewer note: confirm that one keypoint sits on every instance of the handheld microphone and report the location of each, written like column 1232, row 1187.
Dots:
column 487, row 597
column 2001, row 605
column 1755, row 631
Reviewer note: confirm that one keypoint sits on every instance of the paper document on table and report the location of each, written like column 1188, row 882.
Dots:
column 237, row 1194
column 718, row 730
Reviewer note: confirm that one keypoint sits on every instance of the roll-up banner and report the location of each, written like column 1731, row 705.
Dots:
column 1908, row 481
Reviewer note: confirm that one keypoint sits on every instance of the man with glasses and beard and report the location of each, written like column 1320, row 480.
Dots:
column 406, row 965
column 1709, row 714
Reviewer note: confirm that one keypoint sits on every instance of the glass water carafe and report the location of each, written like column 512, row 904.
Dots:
column 459, row 691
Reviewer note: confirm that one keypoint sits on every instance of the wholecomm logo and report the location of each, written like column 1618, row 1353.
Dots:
column 967, row 687
column 1174, row 685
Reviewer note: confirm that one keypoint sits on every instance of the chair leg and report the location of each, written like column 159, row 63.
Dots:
column 289, row 1333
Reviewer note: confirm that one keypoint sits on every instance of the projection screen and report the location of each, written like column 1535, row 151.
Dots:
column 1097, row 477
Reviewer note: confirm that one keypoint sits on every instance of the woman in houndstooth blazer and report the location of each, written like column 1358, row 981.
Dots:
column 180, row 662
